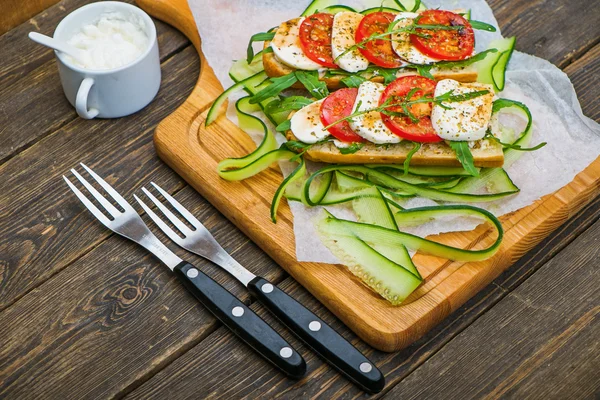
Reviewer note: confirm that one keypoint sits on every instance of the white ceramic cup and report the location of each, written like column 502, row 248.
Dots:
column 110, row 93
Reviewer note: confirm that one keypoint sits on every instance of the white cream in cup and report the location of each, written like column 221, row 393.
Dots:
column 119, row 73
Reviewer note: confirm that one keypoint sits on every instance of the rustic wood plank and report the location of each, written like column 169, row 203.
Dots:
column 547, row 28
column 38, row 238
column 219, row 355
column 114, row 317
column 503, row 351
column 267, row 376
column 31, row 96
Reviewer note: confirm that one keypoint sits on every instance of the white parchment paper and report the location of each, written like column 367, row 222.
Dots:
column 225, row 27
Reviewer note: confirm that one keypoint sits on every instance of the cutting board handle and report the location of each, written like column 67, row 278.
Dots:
column 178, row 14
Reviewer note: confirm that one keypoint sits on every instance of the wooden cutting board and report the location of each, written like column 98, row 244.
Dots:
column 194, row 150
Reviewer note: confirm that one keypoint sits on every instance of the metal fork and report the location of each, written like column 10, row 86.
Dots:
column 226, row 307
column 323, row 339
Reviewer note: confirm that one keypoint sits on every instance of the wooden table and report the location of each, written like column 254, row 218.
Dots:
column 86, row 314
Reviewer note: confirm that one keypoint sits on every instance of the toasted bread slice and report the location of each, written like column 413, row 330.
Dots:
column 275, row 68
column 486, row 153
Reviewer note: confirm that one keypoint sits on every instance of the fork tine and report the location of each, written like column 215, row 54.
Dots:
column 88, row 204
column 115, row 195
column 158, row 221
column 105, row 203
column 181, row 209
column 174, row 220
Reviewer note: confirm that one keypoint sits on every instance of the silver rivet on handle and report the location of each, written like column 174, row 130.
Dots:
column 237, row 311
column 365, row 367
column 267, row 288
column 285, row 352
column 192, row 273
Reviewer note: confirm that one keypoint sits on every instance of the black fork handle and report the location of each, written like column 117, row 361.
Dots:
column 242, row 321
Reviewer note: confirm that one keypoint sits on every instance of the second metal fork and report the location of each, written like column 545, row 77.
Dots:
column 323, row 339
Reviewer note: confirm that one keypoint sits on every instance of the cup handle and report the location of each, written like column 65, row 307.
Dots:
column 82, row 99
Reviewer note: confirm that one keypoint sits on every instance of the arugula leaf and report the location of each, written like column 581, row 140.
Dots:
column 353, row 148
column 411, row 153
column 295, row 145
column 287, row 104
column 277, row 86
column 416, row 6
column 399, row 4
column 333, row 72
column 284, row 126
column 464, row 63
column 389, row 75
column 463, row 153
column 258, row 37
column 310, row 80
column 514, row 146
column 482, row 26
column 425, row 70
column 353, row 81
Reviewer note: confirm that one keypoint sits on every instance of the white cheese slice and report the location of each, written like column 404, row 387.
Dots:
column 466, row 120
column 287, row 48
column 306, row 124
column 343, row 37
column 401, row 41
column 370, row 126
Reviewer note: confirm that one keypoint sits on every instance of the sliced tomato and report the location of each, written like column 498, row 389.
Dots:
column 336, row 106
column 315, row 38
column 421, row 131
column 378, row 51
column 444, row 44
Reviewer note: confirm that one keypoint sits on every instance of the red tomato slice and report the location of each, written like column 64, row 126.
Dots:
column 336, row 106
column 421, row 131
column 445, row 45
column 378, row 51
column 315, row 38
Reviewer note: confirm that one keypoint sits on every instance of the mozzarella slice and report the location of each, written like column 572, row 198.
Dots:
column 370, row 126
column 342, row 38
column 306, row 124
column 466, row 120
column 287, row 48
column 401, row 41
